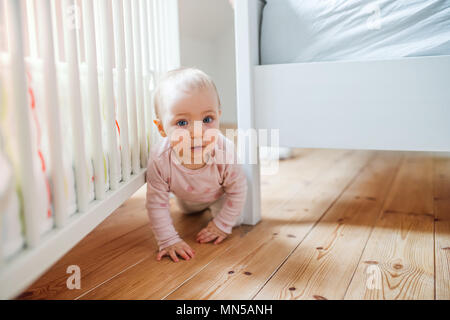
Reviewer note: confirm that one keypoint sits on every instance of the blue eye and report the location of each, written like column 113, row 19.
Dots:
column 181, row 123
column 208, row 119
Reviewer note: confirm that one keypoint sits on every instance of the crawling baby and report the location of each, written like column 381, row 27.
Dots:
column 194, row 161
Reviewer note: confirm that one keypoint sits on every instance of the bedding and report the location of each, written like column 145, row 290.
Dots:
column 11, row 219
column 330, row 30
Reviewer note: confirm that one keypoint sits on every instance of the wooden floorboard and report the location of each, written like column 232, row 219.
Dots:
column 398, row 261
column 118, row 243
column 323, row 264
column 100, row 254
column 255, row 260
column 442, row 226
column 353, row 224
column 145, row 285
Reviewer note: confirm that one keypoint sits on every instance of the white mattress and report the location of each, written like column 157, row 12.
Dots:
column 329, row 30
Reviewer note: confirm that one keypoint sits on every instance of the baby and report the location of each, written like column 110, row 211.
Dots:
column 194, row 161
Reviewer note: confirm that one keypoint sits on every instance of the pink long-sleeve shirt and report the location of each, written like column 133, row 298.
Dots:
column 222, row 176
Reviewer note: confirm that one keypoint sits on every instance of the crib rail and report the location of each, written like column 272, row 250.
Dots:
column 76, row 81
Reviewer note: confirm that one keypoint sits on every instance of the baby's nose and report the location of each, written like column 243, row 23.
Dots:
column 197, row 130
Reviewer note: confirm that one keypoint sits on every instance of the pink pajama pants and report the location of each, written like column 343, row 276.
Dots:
column 188, row 207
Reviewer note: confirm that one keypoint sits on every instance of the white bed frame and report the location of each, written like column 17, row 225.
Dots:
column 399, row 104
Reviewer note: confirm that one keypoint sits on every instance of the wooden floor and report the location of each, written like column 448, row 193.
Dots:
column 336, row 224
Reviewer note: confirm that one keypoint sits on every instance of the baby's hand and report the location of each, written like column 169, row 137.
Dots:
column 181, row 247
column 210, row 233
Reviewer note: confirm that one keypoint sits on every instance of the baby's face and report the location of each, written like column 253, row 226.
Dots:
column 191, row 121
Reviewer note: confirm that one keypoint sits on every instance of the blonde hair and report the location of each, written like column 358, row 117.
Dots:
column 182, row 79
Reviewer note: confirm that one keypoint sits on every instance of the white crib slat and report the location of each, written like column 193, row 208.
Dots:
column 80, row 35
column 157, row 37
column 79, row 153
column 146, row 70
column 3, row 37
column 98, row 46
column 166, row 19
column 161, row 36
column 139, row 78
column 153, row 38
column 147, row 14
column 93, row 99
column 175, row 34
column 154, row 135
column 52, row 113
column 143, row 18
column 167, row 35
column 107, row 44
column 54, row 26
column 26, row 175
column 121, row 84
column 131, row 89
column 32, row 38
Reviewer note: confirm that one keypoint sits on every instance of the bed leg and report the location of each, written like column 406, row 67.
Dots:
column 252, row 208
column 247, row 22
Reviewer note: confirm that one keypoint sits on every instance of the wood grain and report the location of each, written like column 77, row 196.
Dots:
column 324, row 263
column 122, row 240
column 442, row 226
column 398, row 261
column 150, row 286
column 333, row 221
column 266, row 248
column 412, row 191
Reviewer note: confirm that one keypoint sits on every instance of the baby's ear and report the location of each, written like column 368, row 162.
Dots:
column 158, row 124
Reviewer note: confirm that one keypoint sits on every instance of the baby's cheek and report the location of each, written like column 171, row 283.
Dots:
column 212, row 125
column 178, row 135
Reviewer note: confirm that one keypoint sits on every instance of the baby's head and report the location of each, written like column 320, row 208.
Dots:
column 187, row 105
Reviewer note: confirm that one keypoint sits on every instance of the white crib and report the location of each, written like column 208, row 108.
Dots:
column 395, row 104
column 105, row 69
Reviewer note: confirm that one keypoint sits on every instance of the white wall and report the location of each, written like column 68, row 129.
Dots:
column 207, row 42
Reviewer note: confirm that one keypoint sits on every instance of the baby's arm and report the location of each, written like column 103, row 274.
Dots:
column 157, row 205
column 235, row 187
